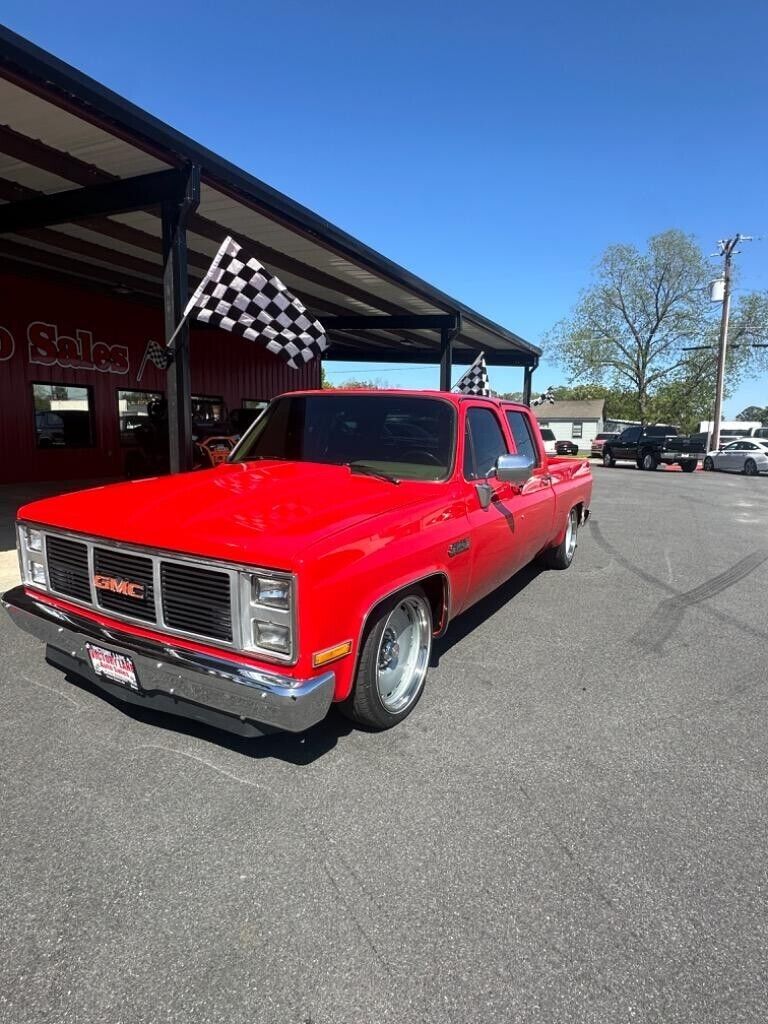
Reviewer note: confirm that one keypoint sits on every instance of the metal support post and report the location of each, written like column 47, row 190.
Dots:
column 175, row 295
column 528, row 381
column 447, row 335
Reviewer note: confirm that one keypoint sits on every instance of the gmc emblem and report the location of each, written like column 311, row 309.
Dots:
column 126, row 587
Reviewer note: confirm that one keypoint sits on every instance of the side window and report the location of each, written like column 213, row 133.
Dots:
column 524, row 442
column 630, row 435
column 485, row 436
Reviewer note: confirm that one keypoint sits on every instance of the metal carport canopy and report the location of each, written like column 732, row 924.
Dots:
column 64, row 131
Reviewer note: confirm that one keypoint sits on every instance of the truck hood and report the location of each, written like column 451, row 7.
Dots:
column 257, row 513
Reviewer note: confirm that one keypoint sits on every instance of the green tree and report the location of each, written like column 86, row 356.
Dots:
column 631, row 326
column 634, row 328
column 754, row 412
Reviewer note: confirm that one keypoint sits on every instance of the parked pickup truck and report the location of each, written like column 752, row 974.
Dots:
column 650, row 446
column 316, row 565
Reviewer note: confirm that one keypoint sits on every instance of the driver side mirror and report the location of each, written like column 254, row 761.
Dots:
column 514, row 469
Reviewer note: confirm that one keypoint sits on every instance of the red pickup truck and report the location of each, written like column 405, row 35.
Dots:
column 343, row 534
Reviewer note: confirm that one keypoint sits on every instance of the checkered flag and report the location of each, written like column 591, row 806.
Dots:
column 475, row 380
column 238, row 294
column 547, row 396
column 159, row 355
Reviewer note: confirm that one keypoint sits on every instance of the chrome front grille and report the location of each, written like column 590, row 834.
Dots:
column 137, row 570
column 180, row 596
column 196, row 599
column 68, row 571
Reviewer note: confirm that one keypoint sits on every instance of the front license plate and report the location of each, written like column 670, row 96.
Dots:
column 117, row 667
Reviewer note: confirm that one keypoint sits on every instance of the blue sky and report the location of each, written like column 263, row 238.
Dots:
column 493, row 148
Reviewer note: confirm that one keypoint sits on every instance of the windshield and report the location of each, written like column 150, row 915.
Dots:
column 547, row 435
column 407, row 438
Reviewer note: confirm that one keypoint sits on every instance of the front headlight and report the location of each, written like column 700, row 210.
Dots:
column 268, row 614
column 272, row 637
column 31, row 556
column 33, row 538
column 272, row 591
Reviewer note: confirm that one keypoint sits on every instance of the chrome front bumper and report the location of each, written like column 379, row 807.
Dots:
column 175, row 679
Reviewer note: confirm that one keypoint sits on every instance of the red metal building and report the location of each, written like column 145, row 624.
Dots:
column 69, row 378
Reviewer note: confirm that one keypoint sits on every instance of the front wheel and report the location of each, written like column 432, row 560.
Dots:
column 562, row 556
column 688, row 466
column 393, row 662
column 649, row 461
column 708, row 465
column 750, row 467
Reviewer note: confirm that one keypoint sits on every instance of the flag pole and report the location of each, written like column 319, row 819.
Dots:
column 140, row 374
column 181, row 324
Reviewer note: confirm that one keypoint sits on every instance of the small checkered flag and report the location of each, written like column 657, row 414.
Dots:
column 159, row 355
column 475, row 380
column 547, row 396
column 238, row 294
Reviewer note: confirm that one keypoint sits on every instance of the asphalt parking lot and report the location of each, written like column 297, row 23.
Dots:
column 570, row 827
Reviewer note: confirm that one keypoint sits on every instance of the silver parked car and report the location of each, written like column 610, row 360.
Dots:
column 748, row 455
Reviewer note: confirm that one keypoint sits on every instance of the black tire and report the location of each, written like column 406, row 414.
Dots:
column 649, row 461
column 365, row 705
column 562, row 556
column 709, row 466
column 688, row 466
column 608, row 459
column 750, row 468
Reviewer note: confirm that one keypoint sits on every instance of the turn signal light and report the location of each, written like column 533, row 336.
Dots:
column 331, row 654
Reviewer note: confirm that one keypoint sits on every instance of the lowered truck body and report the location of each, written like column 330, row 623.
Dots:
column 316, row 566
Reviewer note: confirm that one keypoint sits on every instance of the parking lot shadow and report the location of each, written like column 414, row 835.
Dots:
column 469, row 620
column 294, row 748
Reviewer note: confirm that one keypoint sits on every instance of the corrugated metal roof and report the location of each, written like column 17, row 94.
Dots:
column 63, row 131
column 590, row 409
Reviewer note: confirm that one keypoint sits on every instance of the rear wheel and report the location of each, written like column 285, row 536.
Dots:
column 708, row 465
column 393, row 662
column 562, row 556
column 648, row 461
column 750, row 467
column 608, row 459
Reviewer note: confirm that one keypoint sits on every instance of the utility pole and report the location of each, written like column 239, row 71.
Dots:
column 727, row 249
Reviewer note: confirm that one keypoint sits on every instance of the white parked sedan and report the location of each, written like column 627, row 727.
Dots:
column 749, row 455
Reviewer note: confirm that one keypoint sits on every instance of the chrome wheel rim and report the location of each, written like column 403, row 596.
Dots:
column 606, row 459
column 570, row 534
column 403, row 655
column 648, row 462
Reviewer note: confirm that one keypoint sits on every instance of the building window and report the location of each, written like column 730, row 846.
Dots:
column 63, row 416
column 576, row 430
column 207, row 409
column 135, row 410
column 240, row 419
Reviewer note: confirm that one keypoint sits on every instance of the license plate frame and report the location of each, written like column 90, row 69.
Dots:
column 113, row 665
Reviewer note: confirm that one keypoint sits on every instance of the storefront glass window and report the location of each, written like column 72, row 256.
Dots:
column 207, row 409
column 63, row 416
column 135, row 410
